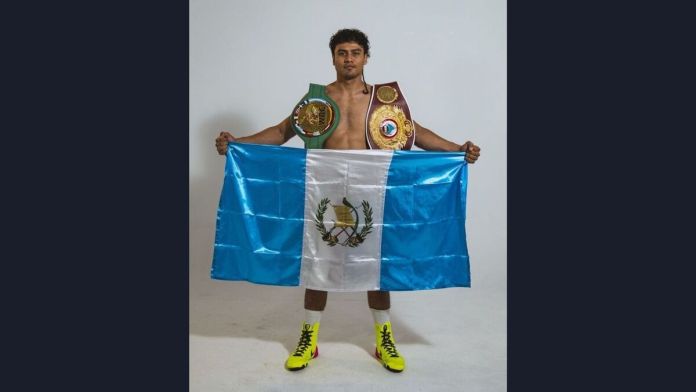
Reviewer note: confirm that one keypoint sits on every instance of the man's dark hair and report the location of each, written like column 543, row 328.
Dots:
column 350, row 35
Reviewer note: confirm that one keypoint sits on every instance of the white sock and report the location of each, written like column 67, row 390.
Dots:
column 380, row 316
column 312, row 316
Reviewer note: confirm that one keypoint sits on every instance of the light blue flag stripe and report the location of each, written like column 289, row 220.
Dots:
column 261, row 215
column 423, row 238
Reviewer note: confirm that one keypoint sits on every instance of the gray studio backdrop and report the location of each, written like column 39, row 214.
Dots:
column 251, row 61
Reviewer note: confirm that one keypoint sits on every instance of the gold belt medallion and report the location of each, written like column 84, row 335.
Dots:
column 389, row 127
column 387, row 94
column 313, row 116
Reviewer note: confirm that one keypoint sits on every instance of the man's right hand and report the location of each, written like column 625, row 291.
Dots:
column 222, row 140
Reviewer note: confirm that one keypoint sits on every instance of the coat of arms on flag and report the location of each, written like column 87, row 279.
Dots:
column 345, row 228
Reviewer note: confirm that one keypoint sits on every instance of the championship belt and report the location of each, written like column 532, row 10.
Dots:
column 388, row 122
column 315, row 117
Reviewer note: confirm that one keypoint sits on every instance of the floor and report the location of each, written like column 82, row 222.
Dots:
column 240, row 334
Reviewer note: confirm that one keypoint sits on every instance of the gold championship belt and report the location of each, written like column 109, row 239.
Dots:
column 315, row 117
column 388, row 122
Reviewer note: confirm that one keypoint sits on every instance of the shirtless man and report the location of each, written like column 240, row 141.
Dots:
column 350, row 50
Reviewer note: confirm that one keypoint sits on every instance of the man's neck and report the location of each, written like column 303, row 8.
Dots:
column 349, row 86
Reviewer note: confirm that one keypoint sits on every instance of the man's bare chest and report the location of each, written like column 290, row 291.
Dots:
column 353, row 112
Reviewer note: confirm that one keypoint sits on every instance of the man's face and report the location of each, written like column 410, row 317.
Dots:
column 349, row 59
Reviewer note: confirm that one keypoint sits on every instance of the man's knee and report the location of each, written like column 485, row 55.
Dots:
column 315, row 299
column 379, row 300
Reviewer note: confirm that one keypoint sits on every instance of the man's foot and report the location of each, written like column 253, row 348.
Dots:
column 306, row 350
column 386, row 349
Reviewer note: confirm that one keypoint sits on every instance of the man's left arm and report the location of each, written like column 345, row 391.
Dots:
column 430, row 141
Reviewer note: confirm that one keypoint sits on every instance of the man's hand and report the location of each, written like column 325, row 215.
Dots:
column 222, row 140
column 472, row 151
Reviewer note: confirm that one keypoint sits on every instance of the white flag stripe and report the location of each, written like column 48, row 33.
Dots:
column 358, row 176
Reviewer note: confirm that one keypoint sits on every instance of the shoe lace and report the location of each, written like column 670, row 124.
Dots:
column 305, row 340
column 388, row 343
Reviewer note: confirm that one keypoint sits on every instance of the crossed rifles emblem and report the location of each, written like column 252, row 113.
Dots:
column 344, row 231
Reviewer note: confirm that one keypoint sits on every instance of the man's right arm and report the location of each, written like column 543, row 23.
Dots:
column 277, row 135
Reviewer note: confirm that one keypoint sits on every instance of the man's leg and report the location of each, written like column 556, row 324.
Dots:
column 307, row 349
column 380, row 302
column 315, row 300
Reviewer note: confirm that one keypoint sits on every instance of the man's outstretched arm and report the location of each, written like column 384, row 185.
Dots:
column 276, row 134
column 430, row 141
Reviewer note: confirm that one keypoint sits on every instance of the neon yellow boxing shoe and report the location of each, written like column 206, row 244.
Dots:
column 386, row 350
column 306, row 350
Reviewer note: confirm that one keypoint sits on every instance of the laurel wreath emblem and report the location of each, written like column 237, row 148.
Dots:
column 319, row 222
column 354, row 239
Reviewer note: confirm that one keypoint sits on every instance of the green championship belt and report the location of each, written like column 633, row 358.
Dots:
column 315, row 117
column 389, row 125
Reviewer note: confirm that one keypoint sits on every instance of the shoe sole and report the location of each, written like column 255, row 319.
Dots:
column 316, row 354
column 385, row 365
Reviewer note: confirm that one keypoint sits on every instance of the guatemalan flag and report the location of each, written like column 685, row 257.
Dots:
column 342, row 220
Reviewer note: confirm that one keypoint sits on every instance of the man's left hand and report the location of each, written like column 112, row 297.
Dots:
column 472, row 151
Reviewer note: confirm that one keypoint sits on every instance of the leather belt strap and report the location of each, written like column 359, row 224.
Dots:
column 388, row 123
